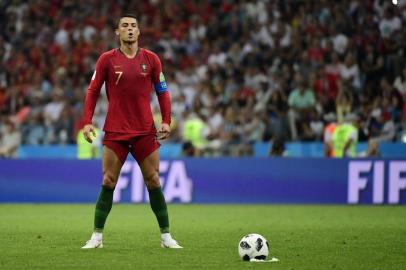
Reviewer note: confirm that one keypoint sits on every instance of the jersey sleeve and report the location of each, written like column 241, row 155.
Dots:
column 93, row 91
column 158, row 77
column 161, row 89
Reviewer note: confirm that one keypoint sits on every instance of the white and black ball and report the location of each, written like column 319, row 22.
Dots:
column 253, row 246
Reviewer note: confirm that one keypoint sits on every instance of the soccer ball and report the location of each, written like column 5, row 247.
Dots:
column 253, row 246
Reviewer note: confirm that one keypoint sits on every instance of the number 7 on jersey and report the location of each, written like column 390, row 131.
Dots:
column 119, row 76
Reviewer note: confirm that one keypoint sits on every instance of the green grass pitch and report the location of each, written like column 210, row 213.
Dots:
column 302, row 237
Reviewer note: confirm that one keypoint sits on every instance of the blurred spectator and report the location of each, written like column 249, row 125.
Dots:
column 390, row 23
column 400, row 83
column 343, row 105
column 372, row 150
column 328, row 144
column 10, row 139
column 188, row 150
column 314, row 131
column 195, row 130
column 34, row 130
column 233, row 64
column 373, row 65
column 277, row 107
column 325, row 87
column 345, row 137
column 301, row 101
column 386, row 129
column 340, row 41
column 277, row 148
column 350, row 73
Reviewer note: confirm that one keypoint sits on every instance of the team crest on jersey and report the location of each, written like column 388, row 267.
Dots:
column 144, row 69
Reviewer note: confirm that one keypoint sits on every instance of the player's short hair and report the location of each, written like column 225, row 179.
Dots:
column 130, row 15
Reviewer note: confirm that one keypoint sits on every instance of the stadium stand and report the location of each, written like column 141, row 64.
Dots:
column 236, row 66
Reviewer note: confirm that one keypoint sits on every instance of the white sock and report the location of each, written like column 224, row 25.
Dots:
column 97, row 236
column 166, row 236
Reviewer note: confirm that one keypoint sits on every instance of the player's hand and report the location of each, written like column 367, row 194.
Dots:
column 164, row 131
column 87, row 131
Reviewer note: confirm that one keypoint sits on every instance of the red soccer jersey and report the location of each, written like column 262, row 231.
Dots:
column 129, row 82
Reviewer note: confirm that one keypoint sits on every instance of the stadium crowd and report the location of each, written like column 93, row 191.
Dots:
column 239, row 72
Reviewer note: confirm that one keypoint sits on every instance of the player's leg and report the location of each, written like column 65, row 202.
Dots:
column 145, row 151
column 114, row 155
column 150, row 171
column 111, row 170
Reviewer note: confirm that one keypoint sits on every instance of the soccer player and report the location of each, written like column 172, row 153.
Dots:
column 129, row 73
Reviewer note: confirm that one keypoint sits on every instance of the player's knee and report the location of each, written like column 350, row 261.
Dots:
column 152, row 180
column 109, row 180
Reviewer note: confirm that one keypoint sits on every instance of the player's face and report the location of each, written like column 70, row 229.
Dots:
column 128, row 30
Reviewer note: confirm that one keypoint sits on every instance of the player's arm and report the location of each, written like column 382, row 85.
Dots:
column 164, row 99
column 92, row 94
